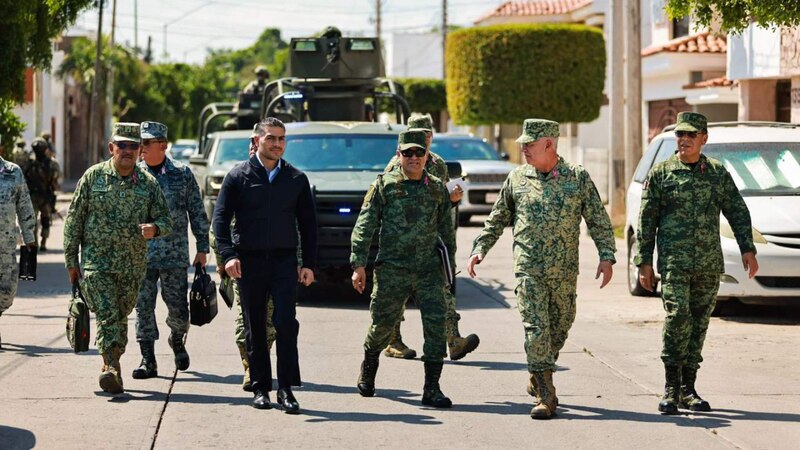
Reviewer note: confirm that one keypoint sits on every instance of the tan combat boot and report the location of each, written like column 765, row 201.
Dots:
column 458, row 346
column 532, row 389
column 110, row 381
column 246, row 386
column 396, row 347
column 545, row 408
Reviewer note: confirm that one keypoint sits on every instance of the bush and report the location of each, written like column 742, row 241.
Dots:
column 507, row 73
column 424, row 95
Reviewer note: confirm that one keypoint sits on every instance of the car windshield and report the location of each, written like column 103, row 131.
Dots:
column 462, row 149
column 182, row 151
column 323, row 152
column 757, row 168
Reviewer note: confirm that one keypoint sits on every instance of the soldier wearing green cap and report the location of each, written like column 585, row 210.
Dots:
column 545, row 200
column 410, row 210
column 19, row 155
column 458, row 346
column 257, row 86
column 117, row 207
column 682, row 198
column 42, row 179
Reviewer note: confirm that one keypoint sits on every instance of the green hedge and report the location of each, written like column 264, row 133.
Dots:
column 424, row 95
column 507, row 73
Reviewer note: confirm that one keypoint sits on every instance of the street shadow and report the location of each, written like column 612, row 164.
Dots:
column 316, row 416
column 209, row 378
column 572, row 412
column 486, row 298
column 735, row 311
column 52, row 273
column 493, row 365
column 16, row 438
column 497, row 408
column 37, row 351
column 737, row 414
column 144, row 395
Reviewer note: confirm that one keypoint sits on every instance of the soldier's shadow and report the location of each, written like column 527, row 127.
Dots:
column 580, row 412
column 139, row 394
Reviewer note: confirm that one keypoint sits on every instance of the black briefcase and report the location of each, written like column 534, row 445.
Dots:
column 202, row 298
column 226, row 291
column 78, row 321
column 27, row 263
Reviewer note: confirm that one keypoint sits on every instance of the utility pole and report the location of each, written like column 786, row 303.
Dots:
column 136, row 26
column 95, row 90
column 633, row 87
column 444, row 38
column 378, row 18
column 110, row 79
column 616, row 173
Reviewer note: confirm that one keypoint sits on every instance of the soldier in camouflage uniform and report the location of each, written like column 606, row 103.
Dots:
column 168, row 257
column 116, row 208
column 42, row 183
column 51, row 153
column 257, row 86
column 545, row 201
column 682, row 198
column 458, row 346
column 15, row 206
column 20, row 156
column 410, row 208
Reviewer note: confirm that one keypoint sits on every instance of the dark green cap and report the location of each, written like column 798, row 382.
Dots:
column 692, row 121
column 126, row 131
column 422, row 122
column 535, row 129
column 411, row 138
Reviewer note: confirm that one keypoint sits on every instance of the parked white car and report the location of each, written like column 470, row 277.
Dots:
column 764, row 161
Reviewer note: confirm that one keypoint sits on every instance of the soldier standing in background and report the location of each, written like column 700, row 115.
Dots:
column 682, row 198
column 51, row 153
column 458, row 346
column 168, row 257
column 20, row 156
column 42, row 183
column 545, row 200
column 116, row 208
column 410, row 209
column 257, row 86
column 15, row 206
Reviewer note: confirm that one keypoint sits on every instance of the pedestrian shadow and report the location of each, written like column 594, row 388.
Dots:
column 494, row 294
column 16, row 438
column 737, row 414
column 493, row 365
column 316, row 416
column 145, row 395
column 573, row 412
column 36, row 351
column 52, row 273
column 498, row 408
column 209, row 378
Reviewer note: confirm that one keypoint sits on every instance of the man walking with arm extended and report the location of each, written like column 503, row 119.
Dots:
column 545, row 201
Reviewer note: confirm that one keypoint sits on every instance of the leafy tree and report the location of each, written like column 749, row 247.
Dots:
column 10, row 127
column 736, row 15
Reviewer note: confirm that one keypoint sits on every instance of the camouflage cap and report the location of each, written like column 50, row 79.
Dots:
column 261, row 71
column 38, row 143
column 411, row 138
column 535, row 129
column 423, row 122
column 20, row 142
column 126, row 131
column 691, row 121
column 153, row 130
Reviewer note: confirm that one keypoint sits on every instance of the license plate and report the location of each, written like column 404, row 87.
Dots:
column 491, row 197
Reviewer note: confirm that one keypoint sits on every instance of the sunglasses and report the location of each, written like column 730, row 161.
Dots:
column 690, row 134
column 416, row 151
column 133, row 146
column 146, row 142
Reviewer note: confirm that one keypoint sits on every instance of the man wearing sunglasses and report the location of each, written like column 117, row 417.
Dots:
column 682, row 198
column 458, row 346
column 168, row 257
column 410, row 209
column 116, row 208
column 545, row 201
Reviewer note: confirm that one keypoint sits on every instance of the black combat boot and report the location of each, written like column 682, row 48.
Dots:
column 369, row 368
column 669, row 402
column 431, row 393
column 176, row 341
column 690, row 399
column 148, row 367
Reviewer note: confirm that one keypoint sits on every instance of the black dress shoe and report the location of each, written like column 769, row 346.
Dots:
column 287, row 401
column 261, row 400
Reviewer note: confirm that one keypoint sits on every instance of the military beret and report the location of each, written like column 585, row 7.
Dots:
column 153, row 130
column 422, row 122
column 126, row 131
column 692, row 121
column 535, row 129
column 412, row 138
column 38, row 143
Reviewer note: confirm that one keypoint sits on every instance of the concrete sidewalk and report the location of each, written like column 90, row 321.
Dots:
column 608, row 382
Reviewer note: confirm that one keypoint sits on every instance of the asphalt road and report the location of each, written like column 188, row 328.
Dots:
column 608, row 381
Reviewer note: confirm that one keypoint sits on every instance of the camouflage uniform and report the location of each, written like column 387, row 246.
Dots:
column 103, row 223
column 409, row 215
column 680, row 209
column 42, row 179
column 546, row 211
column 15, row 205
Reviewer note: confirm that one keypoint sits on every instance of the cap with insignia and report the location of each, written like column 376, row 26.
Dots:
column 421, row 122
column 153, row 130
column 411, row 138
column 535, row 129
column 126, row 131
column 692, row 121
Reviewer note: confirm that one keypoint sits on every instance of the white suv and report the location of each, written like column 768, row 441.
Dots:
column 764, row 161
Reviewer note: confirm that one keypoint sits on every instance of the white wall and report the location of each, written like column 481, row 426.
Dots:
column 417, row 55
column 756, row 53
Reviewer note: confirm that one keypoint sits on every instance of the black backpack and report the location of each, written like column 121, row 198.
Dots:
column 202, row 298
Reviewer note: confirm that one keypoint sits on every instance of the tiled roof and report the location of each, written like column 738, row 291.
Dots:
column 704, row 42
column 711, row 83
column 535, row 8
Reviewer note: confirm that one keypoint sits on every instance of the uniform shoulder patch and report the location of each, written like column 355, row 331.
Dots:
column 368, row 197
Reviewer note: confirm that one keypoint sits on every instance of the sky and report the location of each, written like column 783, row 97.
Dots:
column 193, row 26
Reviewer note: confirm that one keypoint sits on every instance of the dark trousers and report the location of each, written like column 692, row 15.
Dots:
column 264, row 275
